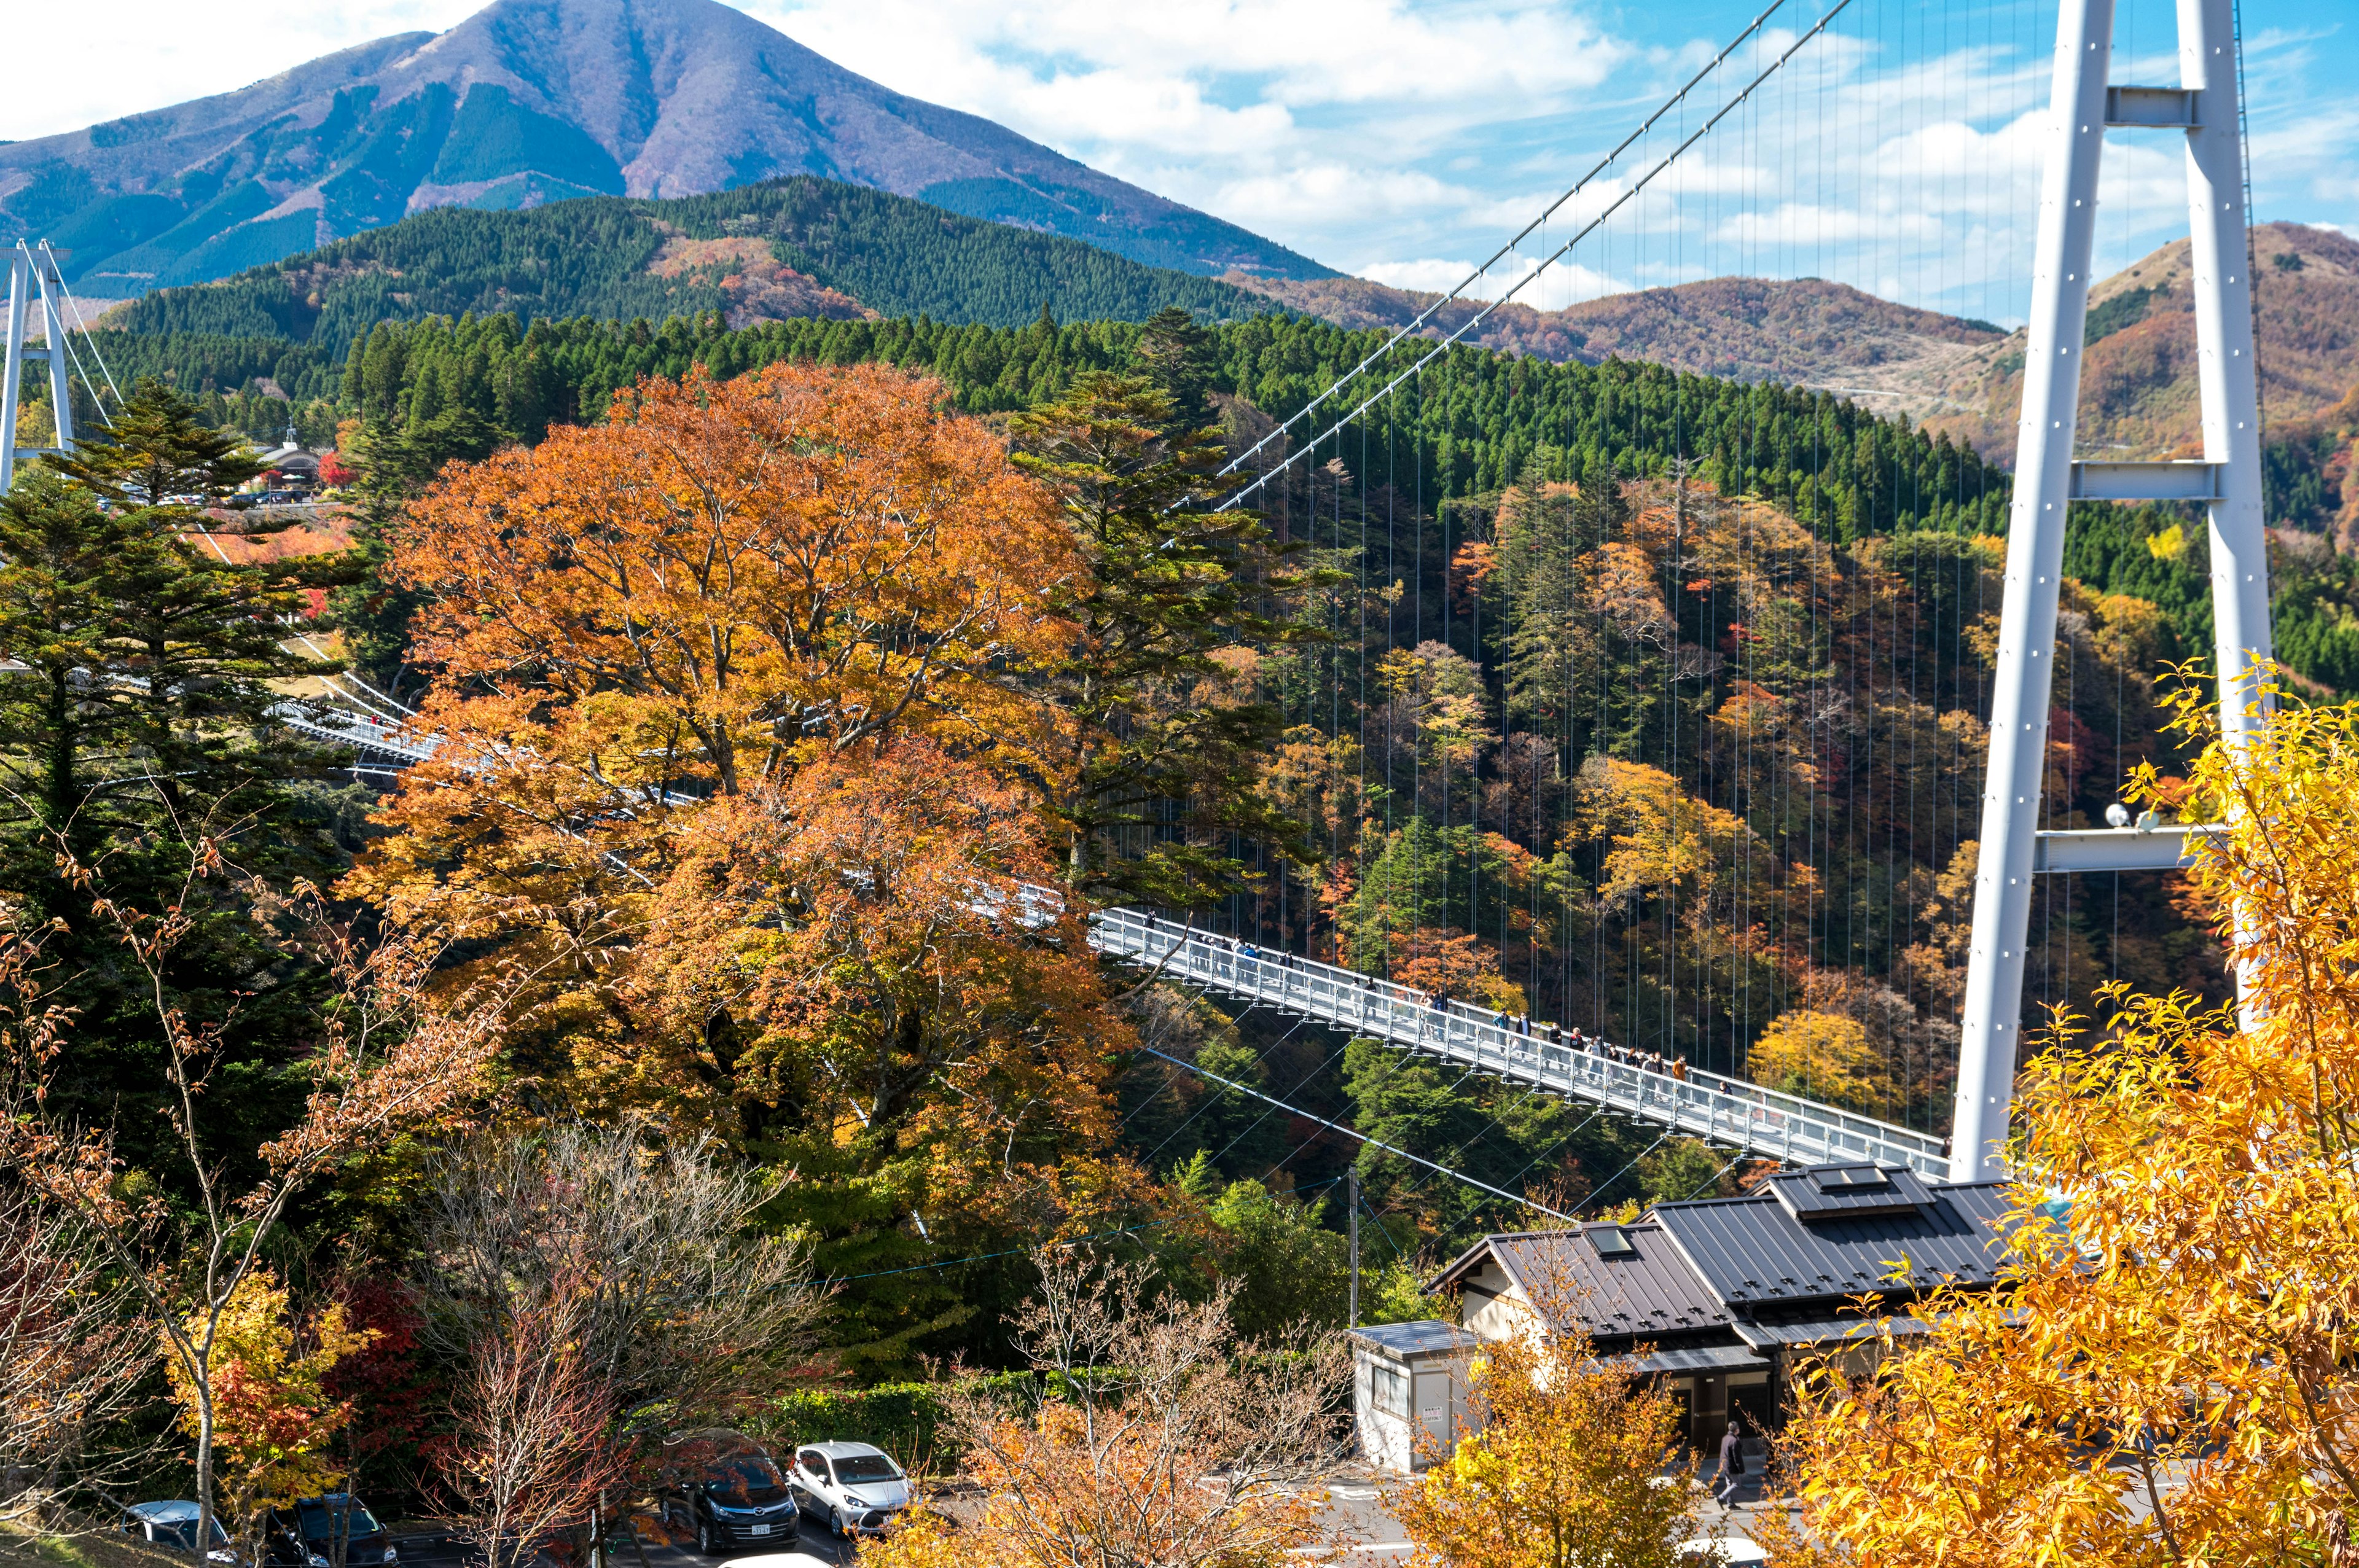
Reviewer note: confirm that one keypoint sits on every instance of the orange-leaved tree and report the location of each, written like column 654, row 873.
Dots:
column 736, row 575
column 2162, row 1375
column 720, row 687
column 1160, row 1438
column 888, row 980
column 723, row 582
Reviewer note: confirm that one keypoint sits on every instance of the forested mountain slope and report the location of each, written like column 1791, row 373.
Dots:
column 1804, row 331
column 529, row 102
column 797, row 247
column 2138, row 395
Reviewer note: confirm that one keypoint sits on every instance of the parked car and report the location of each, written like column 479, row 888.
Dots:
column 306, row 1535
column 780, row 1560
column 726, row 1490
column 852, row 1487
column 173, row 1524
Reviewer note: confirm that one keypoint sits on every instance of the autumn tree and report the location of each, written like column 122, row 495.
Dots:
column 904, row 1019
column 723, row 687
column 531, row 1445
column 2161, row 1374
column 734, row 575
column 72, row 1348
column 1823, row 1057
column 1161, row 1437
column 268, row 1410
column 386, row 1058
column 1149, row 760
column 574, row 1276
column 1564, row 1461
column 644, row 1257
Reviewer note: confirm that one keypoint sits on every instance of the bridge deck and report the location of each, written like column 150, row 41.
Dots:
column 1726, row 1111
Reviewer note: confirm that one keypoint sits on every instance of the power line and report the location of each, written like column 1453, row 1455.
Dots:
column 1372, row 1142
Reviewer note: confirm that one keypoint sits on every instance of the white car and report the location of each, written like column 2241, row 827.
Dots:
column 1734, row 1550
column 779, row 1559
column 852, row 1487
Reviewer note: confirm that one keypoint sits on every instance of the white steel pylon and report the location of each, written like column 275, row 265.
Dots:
column 33, row 276
column 2227, row 479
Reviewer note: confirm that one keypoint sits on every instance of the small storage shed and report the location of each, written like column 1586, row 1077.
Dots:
column 1409, row 1392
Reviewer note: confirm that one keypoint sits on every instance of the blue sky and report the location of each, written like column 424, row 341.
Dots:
column 1404, row 139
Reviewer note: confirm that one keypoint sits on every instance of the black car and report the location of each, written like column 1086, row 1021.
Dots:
column 727, row 1490
column 306, row 1536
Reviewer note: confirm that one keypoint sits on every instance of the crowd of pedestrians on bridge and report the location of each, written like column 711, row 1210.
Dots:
column 1563, row 1036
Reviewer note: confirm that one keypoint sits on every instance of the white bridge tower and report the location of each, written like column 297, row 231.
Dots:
column 2203, row 109
column 33, row 277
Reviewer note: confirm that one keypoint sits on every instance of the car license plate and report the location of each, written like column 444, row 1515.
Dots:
column 759, row 1530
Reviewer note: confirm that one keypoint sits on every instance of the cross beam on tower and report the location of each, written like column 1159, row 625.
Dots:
column 2203, row 108
column 33, row 277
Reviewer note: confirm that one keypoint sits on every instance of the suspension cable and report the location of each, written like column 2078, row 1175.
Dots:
column 1508, row 249
column 1235, row 496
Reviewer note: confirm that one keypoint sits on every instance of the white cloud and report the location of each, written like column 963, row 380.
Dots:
column 71, row 66
column 1385, row 133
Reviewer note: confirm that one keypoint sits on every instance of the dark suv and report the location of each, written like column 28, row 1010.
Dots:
column 725, row 1488
column 306, row 1535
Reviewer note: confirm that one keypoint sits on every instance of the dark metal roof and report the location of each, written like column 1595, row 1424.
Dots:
column 1709, row 1359
column 1414, row 1341
column 1821, row 1192
column 1824, row 1330
column 1644, row 1292
column 1751, row 1252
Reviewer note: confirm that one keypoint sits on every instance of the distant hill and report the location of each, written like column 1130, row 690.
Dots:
column 528, row 101
column 2138, row 396
column 1804, row 332
column 788, row 248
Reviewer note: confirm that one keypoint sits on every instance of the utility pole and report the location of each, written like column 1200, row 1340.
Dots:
column 1352, row 1196
column 33, row 276
column 2227, row 479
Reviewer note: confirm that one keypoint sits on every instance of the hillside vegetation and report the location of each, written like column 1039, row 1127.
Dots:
column 794, row 247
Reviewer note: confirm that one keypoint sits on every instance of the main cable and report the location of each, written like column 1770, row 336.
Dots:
column 1233, row 497
column 1508, row 249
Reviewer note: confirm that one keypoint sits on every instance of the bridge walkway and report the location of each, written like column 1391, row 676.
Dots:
column 1727, row 1111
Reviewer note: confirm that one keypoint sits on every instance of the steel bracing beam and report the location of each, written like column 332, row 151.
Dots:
column 2227, row 480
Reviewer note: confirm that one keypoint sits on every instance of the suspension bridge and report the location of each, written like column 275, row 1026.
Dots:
column 2203, row 109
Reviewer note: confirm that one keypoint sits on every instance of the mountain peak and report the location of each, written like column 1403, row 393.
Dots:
column 533, row 101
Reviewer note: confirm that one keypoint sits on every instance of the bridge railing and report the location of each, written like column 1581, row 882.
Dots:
column 1724, row 1110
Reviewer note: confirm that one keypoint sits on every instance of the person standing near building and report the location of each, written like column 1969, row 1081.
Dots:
column 1732, row 1462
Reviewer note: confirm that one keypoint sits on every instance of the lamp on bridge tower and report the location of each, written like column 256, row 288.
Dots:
column 33, row 276
column 2203, row 109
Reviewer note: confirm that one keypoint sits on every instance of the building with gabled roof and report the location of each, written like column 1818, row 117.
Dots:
column 1722, row 1297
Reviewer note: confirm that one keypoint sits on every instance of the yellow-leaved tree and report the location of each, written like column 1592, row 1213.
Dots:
column 1565, row 1467
column 274, row 1419
column 2163, row 1375
column 1825, row 1055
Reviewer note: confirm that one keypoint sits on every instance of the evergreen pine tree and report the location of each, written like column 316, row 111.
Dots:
column 137, row 725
